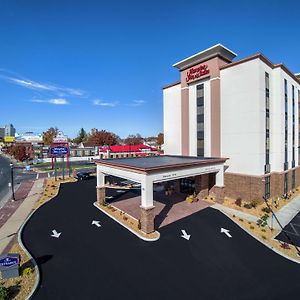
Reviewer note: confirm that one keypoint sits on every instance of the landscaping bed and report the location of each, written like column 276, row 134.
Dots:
column 266, row 235
column 127, row 220
column 257, row 208
column 20, row 287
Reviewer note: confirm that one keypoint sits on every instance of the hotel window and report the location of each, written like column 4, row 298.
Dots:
column 285, row 126
column 293, row 179
column 293, row 124
column 267, row 187
column 267, row 122
column 285, row 183
column 200, row 120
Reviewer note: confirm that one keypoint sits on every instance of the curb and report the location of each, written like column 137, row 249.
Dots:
column 37, row 280
column 266, row 245
column 128, row 228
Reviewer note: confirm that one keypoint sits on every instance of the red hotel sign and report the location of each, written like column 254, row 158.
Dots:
column 194, row 73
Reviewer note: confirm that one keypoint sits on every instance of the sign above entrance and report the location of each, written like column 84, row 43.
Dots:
column 195, row 73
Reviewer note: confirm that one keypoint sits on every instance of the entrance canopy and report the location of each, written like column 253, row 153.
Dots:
column 150, row 170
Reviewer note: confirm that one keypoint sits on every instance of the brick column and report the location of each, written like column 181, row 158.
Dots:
column 202, row 185
column 219, row 192
column 147, row 219
column 100, row 195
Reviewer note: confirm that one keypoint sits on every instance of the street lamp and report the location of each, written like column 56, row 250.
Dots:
column 12, row 180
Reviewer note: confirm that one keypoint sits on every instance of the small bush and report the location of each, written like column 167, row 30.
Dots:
column 254, row 203
column 263, row 230
column 248, row 205
column 241, row 220
column 266, row 210
column 249, row 222
column 251, row 227
column 3, row 293
column 264, row 237
column 139, row 225
column 27, row 271
column 285, row 245
column 233, row 216
column 238, row 202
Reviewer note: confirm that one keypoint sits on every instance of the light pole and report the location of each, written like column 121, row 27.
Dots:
column 12, row 180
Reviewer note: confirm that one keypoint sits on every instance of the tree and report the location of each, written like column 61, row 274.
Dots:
column 134, row 139
column 18, row 152
column 160, row 139
column 102, row 137
column 49, row 135
column 81, row 137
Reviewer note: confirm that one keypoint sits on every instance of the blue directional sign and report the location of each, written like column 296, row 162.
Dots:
column 9, row 261
column 59, row 150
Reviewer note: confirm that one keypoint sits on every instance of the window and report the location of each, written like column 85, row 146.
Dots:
column 293, row 179
column 285, row 125
column 285, row 183
column 267, row 123
column 267, row 187
column 200, row 120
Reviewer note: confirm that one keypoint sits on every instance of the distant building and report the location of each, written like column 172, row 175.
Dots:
column 29, row 137
column 9, row 130
column 2, row 132
column 122, row 151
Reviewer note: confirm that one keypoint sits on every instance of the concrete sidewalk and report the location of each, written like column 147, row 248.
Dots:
column 9, row 230
column 286, row 213
column 231, row 211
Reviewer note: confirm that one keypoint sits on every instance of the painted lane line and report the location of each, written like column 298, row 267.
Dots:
column 48, row 174
column 97, row 223
column 37, row 176
column 108, row 197
column 185, row 235
column 55, row 234
column 226, row 231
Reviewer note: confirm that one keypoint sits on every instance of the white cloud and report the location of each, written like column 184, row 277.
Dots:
column 137, row 103
column 57, row 101
column 105, row 103
column 38, row 86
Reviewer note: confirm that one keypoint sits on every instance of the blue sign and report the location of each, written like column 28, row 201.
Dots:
column 9, row 261
column 59, row 150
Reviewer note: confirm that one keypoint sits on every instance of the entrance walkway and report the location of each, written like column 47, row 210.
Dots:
column 168, row 209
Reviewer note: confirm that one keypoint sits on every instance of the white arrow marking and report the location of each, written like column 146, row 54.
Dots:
column 185, row 235
column 108, row 197
column 97, row 223
column 55, row 234
column 226, row 231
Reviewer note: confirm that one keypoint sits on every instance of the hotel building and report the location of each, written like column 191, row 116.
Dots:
column 244, row 110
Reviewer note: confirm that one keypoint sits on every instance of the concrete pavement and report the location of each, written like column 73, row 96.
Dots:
column 286, row 213
column 13, row 224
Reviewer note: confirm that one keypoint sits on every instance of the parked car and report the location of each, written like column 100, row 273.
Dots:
column 83, row 175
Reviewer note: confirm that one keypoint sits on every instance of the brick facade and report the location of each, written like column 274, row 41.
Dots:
column 253, row 187
column 147, row 219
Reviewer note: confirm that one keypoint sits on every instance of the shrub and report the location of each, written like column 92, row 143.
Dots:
column 266, row 209
column 233, row 216
column 139, row 225
column 264, row 237
column 248, row 205
column 238, row 202
column 249, row 222
column 27, row 271
column 241, row 220
column 285, row 245
column 3, row 293
column 251, row 227
column 254, row 203
column 263, row 230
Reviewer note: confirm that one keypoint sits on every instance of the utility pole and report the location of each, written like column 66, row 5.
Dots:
column 12, row 180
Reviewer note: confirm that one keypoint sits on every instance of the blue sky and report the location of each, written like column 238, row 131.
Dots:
column 102, row 64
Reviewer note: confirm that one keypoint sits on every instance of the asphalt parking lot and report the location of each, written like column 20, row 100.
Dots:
column 293, row 231
column 108, row 262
